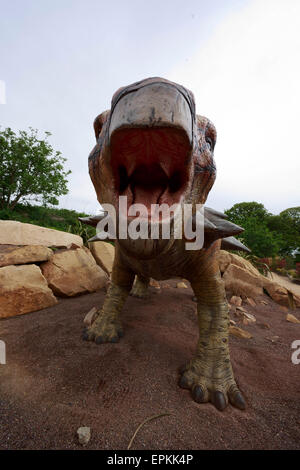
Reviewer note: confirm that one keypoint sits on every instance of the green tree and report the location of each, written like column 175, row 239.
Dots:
column 287, row 224
column 267, row 234
column 254, row 217
column 263, row 242
column 294, row 214
column 30, row 169
column 240, row 213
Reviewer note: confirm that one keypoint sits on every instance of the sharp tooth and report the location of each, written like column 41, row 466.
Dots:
column 166, row 168
column 129, row 164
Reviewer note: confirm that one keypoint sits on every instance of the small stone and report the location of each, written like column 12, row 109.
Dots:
column 241, row 309
column 264, row 302
column 154, row 283
column 291, row 318
column 273, row 339
column 251, row 318
column 239, row 333
column 251, row 301
column 181, row 285
column 237, row 301
column 84, row 435
column 246, row 316
column 264, row 325
column 90, row 317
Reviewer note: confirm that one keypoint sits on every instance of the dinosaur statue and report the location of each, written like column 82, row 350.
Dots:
column 153, row 148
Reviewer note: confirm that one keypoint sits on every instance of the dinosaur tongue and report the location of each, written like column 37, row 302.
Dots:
column 147, row 184
column 144, row 196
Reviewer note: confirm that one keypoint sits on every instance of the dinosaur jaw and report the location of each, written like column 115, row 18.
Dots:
column 150, row 166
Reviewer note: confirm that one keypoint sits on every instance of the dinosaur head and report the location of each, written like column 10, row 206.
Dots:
column 152, row 147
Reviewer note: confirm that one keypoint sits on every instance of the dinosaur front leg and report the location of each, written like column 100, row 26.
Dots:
column 209, row 374
column 107, row 328
column 140, row 287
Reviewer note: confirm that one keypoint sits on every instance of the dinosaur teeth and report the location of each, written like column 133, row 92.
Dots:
column 166, row 167
column 130, row 167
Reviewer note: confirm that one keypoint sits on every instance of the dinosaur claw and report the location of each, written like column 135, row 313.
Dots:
column 183, row 382
column 238, row 400
column 198, row 394
column 115, row 339
column 85, row 335
column 99, row 340
column 219, row 400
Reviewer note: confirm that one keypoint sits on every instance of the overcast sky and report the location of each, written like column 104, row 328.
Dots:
column 62, row 60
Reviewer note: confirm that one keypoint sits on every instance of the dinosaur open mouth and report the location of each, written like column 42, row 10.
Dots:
column 150, row 165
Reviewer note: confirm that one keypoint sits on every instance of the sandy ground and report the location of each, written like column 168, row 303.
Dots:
column 54, row 382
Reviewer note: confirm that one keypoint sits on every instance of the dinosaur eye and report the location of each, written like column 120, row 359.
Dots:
column 209, row 142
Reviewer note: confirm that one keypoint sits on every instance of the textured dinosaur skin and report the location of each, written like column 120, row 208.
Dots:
column 209, row 374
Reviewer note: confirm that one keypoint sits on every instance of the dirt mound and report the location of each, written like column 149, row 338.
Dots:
column 54, row 383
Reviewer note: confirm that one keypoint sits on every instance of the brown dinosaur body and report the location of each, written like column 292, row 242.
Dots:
column 153, row 148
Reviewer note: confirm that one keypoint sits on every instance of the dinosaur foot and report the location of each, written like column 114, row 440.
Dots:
column 211, row 384
column 105, row 329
